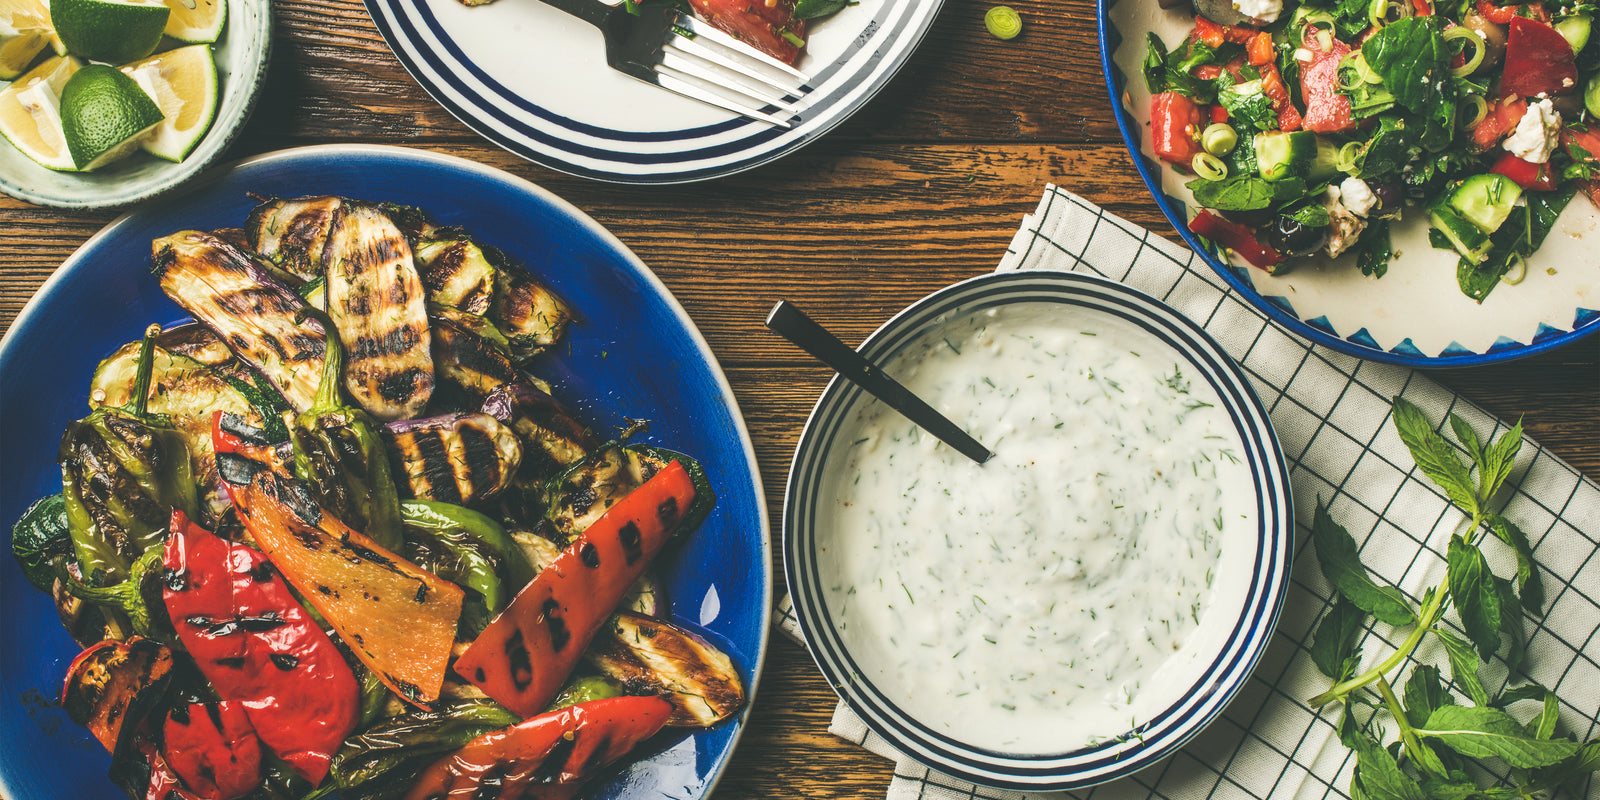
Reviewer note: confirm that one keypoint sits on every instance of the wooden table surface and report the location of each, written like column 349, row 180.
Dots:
column 924, row 187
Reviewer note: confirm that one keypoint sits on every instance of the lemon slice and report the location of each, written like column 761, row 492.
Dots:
column 113, row 31
column 196, row 21
column 24, row 31
column 104, row 114
column 183, row 83
column 30, row 114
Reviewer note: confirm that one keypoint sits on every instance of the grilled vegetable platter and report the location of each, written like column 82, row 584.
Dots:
column 332, row 536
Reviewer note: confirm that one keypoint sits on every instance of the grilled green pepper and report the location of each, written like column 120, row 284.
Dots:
column 123, row 470
column 338, row 453
column 469, row 549
column 384, row 759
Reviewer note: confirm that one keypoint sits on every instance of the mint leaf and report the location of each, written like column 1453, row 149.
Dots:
column 1463, row 666
column 1480, row 732
column 1378, row 774
column 1529, row 584
column 1341, row 565
column 1511, row 622
column 1544, row 725
column 1434, row 456
column 1424, row 694
column 1475, row 594
column 1495, row 464
column 1467, row 437
column 1333, row 646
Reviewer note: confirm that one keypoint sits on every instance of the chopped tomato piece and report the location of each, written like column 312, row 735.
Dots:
column 1501, row 119
column 1260, row 49
column 1502, row 15
column 1327, row 109
column 1272, row 85
column 1530, row 176
column 1207, row 31
column 1219, row 114
column 1175, row 127
column 1423, row 7
column 1235, row 237
column 768, row 26
column 1538, row 60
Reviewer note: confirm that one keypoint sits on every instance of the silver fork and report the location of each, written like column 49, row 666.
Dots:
column 663, row 46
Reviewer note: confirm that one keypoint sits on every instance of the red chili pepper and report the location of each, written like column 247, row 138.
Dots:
column 214, row 749
column 1272, row 85
column 1538, row 60
column 1260, row 49
column 258, row 646
column 1235, row 237
column 1175, row 127
column 1502, row 15
column 1530, row 176
column 543, row 754
column 527, row 651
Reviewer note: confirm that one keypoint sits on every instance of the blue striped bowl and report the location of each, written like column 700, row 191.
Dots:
column 1240, row 620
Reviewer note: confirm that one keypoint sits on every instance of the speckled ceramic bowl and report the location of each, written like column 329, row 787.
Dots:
column 241, row 55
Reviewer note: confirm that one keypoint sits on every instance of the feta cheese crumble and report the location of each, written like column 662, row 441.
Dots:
column 1357, row 196
column 1344, row 227
column 1535, row 137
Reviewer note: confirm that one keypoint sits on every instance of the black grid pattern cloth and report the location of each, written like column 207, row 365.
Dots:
column 1331, row 413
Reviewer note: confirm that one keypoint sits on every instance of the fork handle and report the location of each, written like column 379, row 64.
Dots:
column 593, row 12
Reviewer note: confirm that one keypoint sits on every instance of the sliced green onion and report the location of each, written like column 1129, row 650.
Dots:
column 793, row 38
column 1003, row 22
column 1480, row 109
column 1383, row 12
column 1348, row 77
column 1219, row 139
column 1470, row 39
column 1516, row 270
column 1209, row 167
column 1345, row 159
column 1368, row 74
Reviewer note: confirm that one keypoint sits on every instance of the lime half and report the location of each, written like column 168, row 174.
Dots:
column 183, row 83
column 196, row 21
column 104, row 114
column 113, row 31
column 30, row 115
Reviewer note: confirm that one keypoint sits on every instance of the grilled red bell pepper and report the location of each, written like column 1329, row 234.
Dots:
column 527, row 651
column 104, row 681
column 214, row 749
column 259, row 647
column 549, row 752
column 164, row 782
column 1235, row 237
column 1538, row 61
column 1327, row 109
column 1530, row 176
column 1175, row 127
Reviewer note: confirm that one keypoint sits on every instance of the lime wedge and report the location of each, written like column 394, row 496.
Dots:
column 104, row 114
column 196, row 21
column 113, row 31
column 183, row 83
column 30, row 116
column 24, row 31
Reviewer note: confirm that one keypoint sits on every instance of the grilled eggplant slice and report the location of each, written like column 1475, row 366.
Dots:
column 531, row 315
column 458, row 458
column 457, row 272
column 233, row 293
column 464, row 359
column 376, row 300
column 294, row 233
column 552, row 436
column 648, row 655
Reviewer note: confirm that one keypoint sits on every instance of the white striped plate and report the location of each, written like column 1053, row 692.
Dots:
column 1232, row 634
column 534, row 81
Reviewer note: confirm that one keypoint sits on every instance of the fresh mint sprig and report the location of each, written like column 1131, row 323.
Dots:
column 1436, row 733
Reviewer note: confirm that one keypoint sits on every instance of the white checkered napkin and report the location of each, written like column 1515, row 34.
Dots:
column 1331, row 414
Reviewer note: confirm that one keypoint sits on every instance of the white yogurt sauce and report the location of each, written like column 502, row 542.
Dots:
column 1027, row 605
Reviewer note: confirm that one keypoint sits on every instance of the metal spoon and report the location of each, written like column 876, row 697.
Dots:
column 788, row 321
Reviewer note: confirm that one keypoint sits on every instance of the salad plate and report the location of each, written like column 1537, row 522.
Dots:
column 534, row 80
column 1414, row 315
column 242, row 54
column 629, row 330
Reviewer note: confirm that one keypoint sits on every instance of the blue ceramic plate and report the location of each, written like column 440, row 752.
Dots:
column 1415, row 315
column 241, row 55
column 634, row 353
column 534, row 80
column 1217, row 658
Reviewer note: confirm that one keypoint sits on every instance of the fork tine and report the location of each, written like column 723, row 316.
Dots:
column 706, row 31
column 787, row 88
column 763, row 94
column 678, row 85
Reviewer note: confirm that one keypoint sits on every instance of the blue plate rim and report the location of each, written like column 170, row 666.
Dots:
column 1276, row 548
column 11, row 341
column 1177, row 216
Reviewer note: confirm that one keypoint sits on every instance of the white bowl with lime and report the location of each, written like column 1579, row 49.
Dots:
column 110, row 102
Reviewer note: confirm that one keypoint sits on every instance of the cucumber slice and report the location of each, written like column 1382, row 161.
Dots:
column 1485, row 200
column 1283, row 155
column 1467, row 239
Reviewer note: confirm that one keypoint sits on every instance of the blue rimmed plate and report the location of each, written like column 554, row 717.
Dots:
column 534, row 81
column 1218, row 657
column 1415, row 315
column 633, row 354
